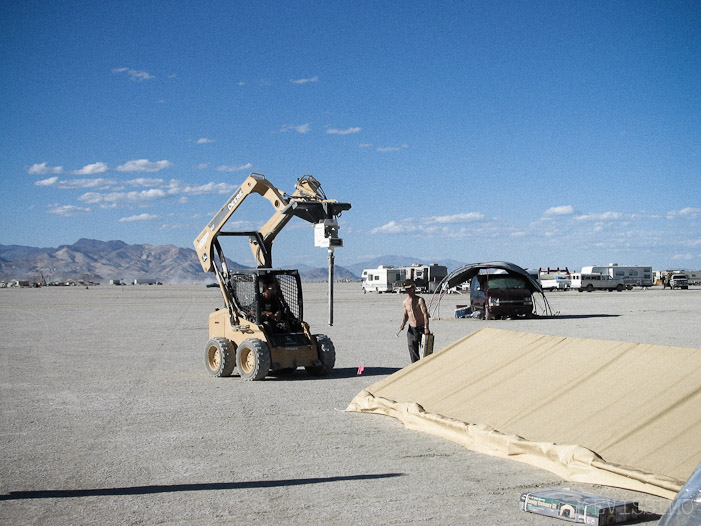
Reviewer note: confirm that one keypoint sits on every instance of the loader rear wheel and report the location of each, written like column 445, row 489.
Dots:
column 253, row 359
column 219, row 357
column 327, row 356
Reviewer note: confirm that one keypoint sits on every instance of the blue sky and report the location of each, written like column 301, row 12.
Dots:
column 542, row 133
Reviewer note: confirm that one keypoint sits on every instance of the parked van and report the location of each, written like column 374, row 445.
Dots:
column 500, row 295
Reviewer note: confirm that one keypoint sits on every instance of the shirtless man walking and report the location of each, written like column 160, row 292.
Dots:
column 416, row 314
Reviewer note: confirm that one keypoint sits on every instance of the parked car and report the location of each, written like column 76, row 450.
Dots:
column 501, row 295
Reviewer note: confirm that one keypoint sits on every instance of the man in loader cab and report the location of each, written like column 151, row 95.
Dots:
column 274, row 312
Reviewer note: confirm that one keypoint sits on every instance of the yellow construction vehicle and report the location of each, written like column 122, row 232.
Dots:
column 262, row 330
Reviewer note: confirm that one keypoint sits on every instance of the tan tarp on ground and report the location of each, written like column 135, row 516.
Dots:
column 613, row 413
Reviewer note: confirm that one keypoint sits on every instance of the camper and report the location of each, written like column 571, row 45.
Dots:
column 590, row 282
column 554, row 278
column 382, row 279
column 632, row 275
column 426, row 277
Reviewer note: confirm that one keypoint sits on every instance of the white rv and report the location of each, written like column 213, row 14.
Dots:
column 382, row 279
column 631, row 275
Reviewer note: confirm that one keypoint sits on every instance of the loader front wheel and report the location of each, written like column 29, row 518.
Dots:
column 253, row 359
column 327, row 356
column 219, row 357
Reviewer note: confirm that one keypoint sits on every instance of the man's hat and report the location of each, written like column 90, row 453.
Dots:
column 408, row 283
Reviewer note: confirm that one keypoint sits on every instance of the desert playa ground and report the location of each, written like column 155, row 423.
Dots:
column 108, row 415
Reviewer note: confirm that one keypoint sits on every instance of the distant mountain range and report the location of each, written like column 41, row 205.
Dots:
column 102, row 261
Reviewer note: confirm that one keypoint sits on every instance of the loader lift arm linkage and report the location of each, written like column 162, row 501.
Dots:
column 308, row 202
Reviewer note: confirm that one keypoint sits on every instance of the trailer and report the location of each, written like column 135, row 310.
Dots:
column 426, row 277
column 384, row 278
column 632, row 275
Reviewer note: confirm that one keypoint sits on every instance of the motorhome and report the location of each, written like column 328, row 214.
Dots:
column 382, row 279
column 632, row 275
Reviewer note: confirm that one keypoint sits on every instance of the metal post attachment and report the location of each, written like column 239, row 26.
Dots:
column 331, row 262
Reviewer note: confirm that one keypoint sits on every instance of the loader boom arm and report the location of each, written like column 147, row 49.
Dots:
column 307, row 202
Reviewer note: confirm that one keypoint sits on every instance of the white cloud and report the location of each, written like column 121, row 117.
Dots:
column 143, row 165
column 145, row 181
column 140, row 217
column 122, row 197
column 47, row 182
column 135, row 75
column 204, row 140
column 433, row 225
column 209, row 188
column 606, row 216
column 685, row 213
column 347, row 131
column 394, row 227
column 683, row 257
column 44, row 169
column 92, row 169
column 456, row 218
column 391, row 148
column 559, row 211
column 171, row 226
column 302, row 128
column 68, row 210
column 97, row 183
column 305, row 81
column 225, row 168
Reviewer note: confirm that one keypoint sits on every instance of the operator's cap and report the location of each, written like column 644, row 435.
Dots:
column 408, row 283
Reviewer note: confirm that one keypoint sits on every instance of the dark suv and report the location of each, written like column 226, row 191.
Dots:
column 501, row 296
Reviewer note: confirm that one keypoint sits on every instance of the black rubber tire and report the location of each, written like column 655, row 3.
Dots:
column 590, row 287
column 219, row 357
column 253, row 359
column 619, row 287
column 327, row 356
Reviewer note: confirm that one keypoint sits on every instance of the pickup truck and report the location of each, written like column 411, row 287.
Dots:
column 678, row 281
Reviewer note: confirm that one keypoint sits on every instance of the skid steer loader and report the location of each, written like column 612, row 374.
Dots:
column 261, row 330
